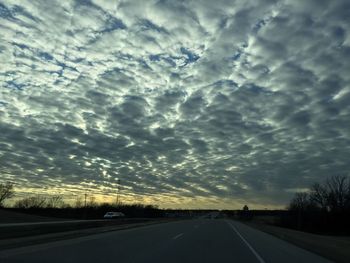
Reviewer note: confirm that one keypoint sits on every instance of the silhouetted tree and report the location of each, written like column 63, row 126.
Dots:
column 6, row 192
column 55, row 201
column 91, row 202
column 245, row 213
column 338, row 192
column 31, row 202
column 326, row 207
column 332, row 195
column 300, row 202
column 319, row 196
column 79, row 202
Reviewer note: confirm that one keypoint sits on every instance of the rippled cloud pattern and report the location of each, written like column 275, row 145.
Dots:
column 234, row 101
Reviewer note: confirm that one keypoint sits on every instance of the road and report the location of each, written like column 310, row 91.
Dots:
column 62, row 222
column 200, row 240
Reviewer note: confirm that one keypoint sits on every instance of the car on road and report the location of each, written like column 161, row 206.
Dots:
column 111, row 215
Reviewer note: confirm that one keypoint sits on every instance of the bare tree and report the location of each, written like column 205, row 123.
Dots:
column 347, row 196
column 325, row 207
column 32, row 202
column 6, row 192
column 300, row 202
column 337, row 188
column 332, row 195
column 91, row 202
column 319, row 196
column 55, row 201
column 78, row 202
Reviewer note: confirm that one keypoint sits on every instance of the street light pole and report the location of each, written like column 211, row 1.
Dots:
column 85, row 206
column 85, row 195
column 118, row 190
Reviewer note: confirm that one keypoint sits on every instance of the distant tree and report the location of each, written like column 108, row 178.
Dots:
column 300, row 202
column 91, row 202
column 245, row 214
column 55, row 201
column 6, row 192
column 78, row 202
column 338, row 192
column 333, row 194
column 31, row 202
column 319, row 196
column 326, row 207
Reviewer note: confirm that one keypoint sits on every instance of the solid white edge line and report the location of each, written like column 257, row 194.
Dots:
column 179, row 235
column 246, row 242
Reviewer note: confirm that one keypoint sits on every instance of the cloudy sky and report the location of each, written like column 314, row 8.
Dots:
column 210, row 104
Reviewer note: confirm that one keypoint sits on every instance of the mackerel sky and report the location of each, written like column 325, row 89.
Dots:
column 210, row 104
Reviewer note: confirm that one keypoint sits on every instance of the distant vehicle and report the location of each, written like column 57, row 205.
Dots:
column 110, row 215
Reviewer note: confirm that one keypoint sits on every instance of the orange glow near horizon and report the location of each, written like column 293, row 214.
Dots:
column 70, row 196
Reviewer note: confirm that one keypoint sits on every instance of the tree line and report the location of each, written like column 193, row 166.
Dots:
column 333, row 195
column 324, row 208
column 88, row 208
column 6, row 192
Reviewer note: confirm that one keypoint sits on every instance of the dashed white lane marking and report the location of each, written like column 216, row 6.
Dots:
column 246, row 242
column 177, row 236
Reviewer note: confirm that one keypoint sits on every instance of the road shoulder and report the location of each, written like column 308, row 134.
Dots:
column 13, row 243
column 331, row 247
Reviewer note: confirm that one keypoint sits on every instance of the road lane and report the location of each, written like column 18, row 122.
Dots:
column 273, row 249
column 177, row 236
column 212, row 241
column 50, row 223
column 256, row 254
column 190, row 241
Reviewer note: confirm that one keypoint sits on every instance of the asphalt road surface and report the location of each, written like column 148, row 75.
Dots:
column 50, row 223
column 201, row 240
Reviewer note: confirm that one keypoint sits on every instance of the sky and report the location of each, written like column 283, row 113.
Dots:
column 203, row 104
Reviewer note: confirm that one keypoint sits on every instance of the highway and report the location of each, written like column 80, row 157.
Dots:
column 198, row 240
column 49, row 223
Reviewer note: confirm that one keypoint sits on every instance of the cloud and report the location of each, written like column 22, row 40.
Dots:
column 231, row 102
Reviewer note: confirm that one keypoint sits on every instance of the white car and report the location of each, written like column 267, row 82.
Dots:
column 111, row 215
